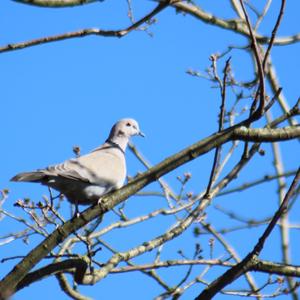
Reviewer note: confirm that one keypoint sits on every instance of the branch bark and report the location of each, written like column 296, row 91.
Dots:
column 266, row 134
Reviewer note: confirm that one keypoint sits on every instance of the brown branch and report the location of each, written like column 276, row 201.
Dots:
column 274, row 31
column 86, row 32
column 255, row 114
column 283, row 207
column 259, row 112
column 221, row 120
column 272, row 101
column 78, row 266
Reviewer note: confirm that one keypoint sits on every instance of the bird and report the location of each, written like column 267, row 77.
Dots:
column 85, row 179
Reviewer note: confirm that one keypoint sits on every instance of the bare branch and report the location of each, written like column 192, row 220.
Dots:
column 264, row 179
column 274, row 31
column 284, row 219
column 258, row 113
column 266, row 134
column 234, row 25
column 251, row 258
column 56, row 3
column 65, row 286
column 221, row 119
column 86, row 32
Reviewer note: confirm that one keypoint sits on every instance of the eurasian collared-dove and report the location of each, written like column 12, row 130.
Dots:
column 85, row 179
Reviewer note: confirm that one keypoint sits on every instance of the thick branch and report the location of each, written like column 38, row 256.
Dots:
column 266, row 134
column 276, row 268
column 77, row 266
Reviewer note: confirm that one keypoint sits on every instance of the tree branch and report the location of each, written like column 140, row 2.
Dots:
column 250, row 184
column 56, row 3
column 234, row 25
column 71, row 266
column 86, row 32
column 266, row 134
column 251, row 259
column 261, row 89
column 76, row 266
column 222, row 85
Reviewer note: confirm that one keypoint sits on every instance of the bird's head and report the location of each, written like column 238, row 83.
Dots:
column 126, row 128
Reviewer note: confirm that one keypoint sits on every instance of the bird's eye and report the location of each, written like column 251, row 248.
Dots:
column 128, row 124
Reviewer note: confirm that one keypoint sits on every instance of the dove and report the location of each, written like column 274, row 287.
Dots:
column 85, row 179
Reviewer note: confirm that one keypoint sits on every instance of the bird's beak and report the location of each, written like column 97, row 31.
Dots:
column 141, row 134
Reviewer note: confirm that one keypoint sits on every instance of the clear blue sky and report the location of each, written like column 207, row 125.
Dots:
column 69, row 93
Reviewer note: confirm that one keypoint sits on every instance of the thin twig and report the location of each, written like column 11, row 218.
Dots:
column 221, row 122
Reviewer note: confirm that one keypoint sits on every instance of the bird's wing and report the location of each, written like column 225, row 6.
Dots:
column 67, row 169
column 101, row 167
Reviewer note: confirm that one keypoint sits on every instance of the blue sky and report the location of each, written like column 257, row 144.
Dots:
column 69, row 93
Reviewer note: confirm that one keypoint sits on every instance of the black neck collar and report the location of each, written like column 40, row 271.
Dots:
column 115, row 145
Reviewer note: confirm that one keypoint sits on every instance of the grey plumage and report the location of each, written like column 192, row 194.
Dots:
column 85, row 179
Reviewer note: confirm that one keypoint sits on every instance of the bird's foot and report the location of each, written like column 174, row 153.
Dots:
column 99, row 201
column 76, row 213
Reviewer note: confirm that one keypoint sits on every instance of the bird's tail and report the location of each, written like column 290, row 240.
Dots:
column 36, row 176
